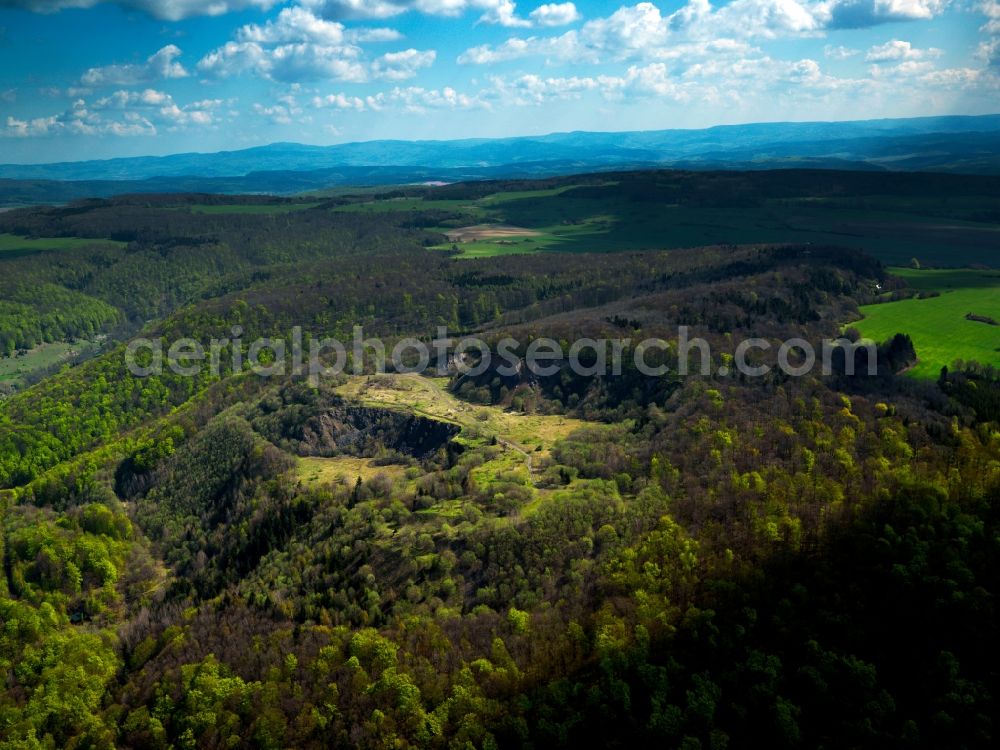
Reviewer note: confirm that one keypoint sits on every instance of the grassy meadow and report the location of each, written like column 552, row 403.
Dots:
column 12, row 245
column 891, row 228
column 14, row 370
column 939, row 328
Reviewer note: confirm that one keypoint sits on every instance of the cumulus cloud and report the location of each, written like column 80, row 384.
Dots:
column 298, row 45
column 501, row 12
column 899, row 50
column 718, row 71
column 294, row 25
column 283, row 113
column 380, row 34
column 628, row 32
column 990, row 9
column 122, row 113
column 989, row 53
column 165, row 10
column 160, row 65
column 531, row 89
column 562, row 48
column 856, row 14
column 159, row 106
column 289, row 63
column 554, row 14
column 504, row 13
column 840, row 52
column 399, row 66
column 767, row 19
column 338, row 101
column 644, row 31
column 417, row 99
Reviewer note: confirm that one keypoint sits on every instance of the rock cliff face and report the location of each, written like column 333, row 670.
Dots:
column 310, row 422
column 364, row 430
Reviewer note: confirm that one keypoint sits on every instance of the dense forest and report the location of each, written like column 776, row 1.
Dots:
column 487, row 561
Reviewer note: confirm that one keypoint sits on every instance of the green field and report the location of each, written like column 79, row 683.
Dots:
column 891, row 228
column 14, row 370
column 12, row 245
column 938, row 326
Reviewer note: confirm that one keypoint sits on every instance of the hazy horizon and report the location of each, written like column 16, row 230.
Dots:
column 526, row 135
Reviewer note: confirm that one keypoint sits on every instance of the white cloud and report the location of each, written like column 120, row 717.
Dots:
column 899, row 50
column 628, row 32
column 642, row 31
column 904, row 69
column 400, row 66
column 298, row 45
column 122, row 113
column 856, row 14
column 554, row 14
column 281, row 114
column 840, row 53
column 165, row 10
column 294, row 25
column 501, row 12
column 564, row 47
column 381, row 34
column 160, row 65
column 959, row 78
column 417, row 99
column 990, row 9
column 767, row 19
column 297, row 61
column 410, row 99
column 26, row 128
column 338, row 101
column 989, row 52
column 304, row 62
column 159, row 106
column 532, row 89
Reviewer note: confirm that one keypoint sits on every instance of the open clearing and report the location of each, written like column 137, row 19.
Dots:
column 318, row 470
column 489, row 232
column 515, row 447
column 429, row 397
column 600, row 219
column 12, row 245
column 939, row 328
column 13, row 370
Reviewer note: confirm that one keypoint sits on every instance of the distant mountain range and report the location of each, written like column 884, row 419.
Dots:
column 954, row 144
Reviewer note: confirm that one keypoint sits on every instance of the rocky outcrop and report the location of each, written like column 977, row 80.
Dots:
column 365, row 430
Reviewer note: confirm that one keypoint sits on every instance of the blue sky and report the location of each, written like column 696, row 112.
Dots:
column 84, row 79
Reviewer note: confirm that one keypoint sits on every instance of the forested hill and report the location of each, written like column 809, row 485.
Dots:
column 500, row 560
column 969, row 145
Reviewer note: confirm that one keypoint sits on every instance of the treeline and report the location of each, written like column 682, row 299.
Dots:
column 47, row 312
column 731, row 188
